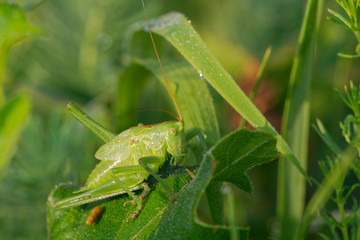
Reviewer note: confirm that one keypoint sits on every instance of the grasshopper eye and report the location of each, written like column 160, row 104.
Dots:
column 173, row 131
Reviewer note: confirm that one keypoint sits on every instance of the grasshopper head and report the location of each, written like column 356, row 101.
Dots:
column 175, row 140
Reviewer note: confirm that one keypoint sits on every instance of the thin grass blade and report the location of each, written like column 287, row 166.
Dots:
column 295, row 125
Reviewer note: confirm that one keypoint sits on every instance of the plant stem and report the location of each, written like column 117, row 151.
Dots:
column 358, row 230
column 343, row 227
column 258, row 79
column 340, row 203
column 230, row 202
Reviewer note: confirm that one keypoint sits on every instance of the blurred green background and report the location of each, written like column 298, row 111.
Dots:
column 79, row 58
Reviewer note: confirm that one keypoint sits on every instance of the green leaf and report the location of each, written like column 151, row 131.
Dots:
column 12, row 118
column 326, row 137
column 259, row 77
column 159, row 219
column 129, row 91
column 14, row 26
column 338, row 22
column 341, row 18
column 240, row 151
column 179, row 221
column 69, row 223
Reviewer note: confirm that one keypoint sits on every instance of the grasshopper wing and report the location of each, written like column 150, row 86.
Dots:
column 154, row 140
column 117, row 149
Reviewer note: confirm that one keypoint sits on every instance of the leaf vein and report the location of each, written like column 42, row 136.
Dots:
column 157, row 215
column 237, row 160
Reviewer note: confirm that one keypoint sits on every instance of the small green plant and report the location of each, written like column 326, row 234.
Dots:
column 350, row 22
column 341, row 220
column 351, row 125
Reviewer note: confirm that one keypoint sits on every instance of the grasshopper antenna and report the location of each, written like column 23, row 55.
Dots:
column 158, row 58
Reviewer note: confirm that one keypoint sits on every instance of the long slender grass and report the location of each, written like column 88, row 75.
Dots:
column 295, row 126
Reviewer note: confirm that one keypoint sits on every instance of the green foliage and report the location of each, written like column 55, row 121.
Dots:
column 14, row 112
column 345, row 220
column 259, row 77
column 349, row 22
column 326, row 137
column 14, row 28
column 351, row 125
column 187, row 226
column 239, row 152
column 295, row 124
column 12, row 118
column 38, row 165
column 335, row 171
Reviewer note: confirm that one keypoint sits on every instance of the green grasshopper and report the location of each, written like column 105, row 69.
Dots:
column 129, row 158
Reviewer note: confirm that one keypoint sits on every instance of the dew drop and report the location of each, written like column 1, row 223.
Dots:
column 187, row 41
column 200, row 74
column 189, row 21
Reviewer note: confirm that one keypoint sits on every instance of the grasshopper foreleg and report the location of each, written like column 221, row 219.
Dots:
column 145, row 192
column 136, row 200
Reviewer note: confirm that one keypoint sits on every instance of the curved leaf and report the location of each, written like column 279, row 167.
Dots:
column 179, row 221
column 238, row 152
